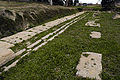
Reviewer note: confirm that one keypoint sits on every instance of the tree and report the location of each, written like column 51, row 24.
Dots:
column 58, row 2
column 108, row 4
column 75, row 2
column 69, row 2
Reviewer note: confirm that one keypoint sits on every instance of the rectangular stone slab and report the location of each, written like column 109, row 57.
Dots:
column 5, row 55
column 95, row 34
column 5, row 45
column 92, row 23
column 90, row 65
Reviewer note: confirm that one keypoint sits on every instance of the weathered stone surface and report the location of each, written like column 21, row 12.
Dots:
column 24, row 35
column 5, row 55
column 5, row 45
column 117, row 16
column 90, row 65
column 95, row 34
column 10, row 14
column 92, row 23
column 20, row 52
column 19, row 37
column 5, row 52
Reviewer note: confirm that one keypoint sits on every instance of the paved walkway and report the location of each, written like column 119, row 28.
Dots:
column 6, row 54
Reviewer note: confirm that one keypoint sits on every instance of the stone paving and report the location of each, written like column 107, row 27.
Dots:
column 116, row 16
column 92, row 23
column 90, row 65
column 63, row 28
column 24, row 35
column 6, row 54
column 95, row 34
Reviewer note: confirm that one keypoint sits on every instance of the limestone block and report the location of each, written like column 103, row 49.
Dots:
column 92, row 23
column 90, row 65
column 5, row 52
column 19, row 37
column 117, row 16
column 6, row 55
column 95, row 34
column 5, row 45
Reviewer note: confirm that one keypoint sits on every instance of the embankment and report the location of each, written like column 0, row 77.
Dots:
column 13, row 20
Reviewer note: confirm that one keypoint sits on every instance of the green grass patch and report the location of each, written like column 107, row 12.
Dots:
column 86, row 55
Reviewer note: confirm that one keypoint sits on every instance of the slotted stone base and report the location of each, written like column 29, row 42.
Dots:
column 92, row 23
column 117, row 16
column 90, row 65
column 95, row 34
column 5, row 55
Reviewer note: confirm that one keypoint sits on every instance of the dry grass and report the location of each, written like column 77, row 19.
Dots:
column 27, row 5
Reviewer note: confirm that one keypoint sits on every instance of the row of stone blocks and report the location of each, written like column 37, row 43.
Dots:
column 90, row 63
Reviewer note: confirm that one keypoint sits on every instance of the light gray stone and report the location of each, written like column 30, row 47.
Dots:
column 5, row 52
column 10, row 14
column 92, row 24
column 5, row 45
column 20, row 52
column 90, row 65
column 95, row 34
column 116, row 16
column 5, row 55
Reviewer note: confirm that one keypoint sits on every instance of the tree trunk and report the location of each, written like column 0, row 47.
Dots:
column 51, row 2
column 69, row 2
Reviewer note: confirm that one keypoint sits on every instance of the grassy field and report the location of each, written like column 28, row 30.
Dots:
column 89, row 7
column 58, row 59
column 110, row 47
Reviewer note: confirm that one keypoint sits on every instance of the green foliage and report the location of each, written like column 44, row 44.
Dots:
column 86, row 55
column 108, row 4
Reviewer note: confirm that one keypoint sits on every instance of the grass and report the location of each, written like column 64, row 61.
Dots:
column 58, row 59
column 89, row 7
column 111, row 54
column 86, row 55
